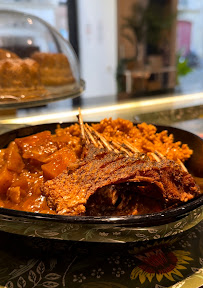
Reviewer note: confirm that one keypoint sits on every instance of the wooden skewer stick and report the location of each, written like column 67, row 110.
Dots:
column 90, row 136
column 81, row 123
column 182, row 165
column 156, row 158
column 95, row 140
column 159, row 154
column 135, row 150
column 119, row 146
column 101, row 138
column 130, row 146
column 178, row 160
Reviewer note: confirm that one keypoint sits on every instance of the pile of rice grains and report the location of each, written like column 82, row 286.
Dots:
column 143, row 136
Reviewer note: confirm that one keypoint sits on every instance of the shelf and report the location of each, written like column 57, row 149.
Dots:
column 144, row 75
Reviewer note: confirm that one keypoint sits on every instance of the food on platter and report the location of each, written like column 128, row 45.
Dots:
column 20, row 78
column 107, row 168
column 55, row 68
column 25, row 79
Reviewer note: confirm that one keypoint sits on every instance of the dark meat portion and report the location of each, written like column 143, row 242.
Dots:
column 69, row 192
column 121, row 200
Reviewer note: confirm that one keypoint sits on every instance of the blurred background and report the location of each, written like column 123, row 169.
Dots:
column 134, row 47
column 140, row 59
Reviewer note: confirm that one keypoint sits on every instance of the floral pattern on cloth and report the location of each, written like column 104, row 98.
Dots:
column 174, row 262
column 160, row 262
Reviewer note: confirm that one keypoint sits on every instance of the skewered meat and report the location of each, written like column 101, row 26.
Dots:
column 70, row 191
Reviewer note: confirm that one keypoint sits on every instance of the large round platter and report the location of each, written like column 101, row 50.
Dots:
column 108, row 229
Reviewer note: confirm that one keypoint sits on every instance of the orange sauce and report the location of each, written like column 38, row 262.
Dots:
column 27, row 163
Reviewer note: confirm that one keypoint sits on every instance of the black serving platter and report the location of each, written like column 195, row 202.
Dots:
column 108, row 229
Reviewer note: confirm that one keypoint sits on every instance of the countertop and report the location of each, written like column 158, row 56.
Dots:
column 168, row 109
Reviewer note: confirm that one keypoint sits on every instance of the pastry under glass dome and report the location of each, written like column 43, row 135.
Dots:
column 37, row 65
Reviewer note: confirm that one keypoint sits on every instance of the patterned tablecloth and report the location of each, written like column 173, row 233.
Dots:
column 37, row 262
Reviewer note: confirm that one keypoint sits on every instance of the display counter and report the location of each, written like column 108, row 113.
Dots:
column 184, row 111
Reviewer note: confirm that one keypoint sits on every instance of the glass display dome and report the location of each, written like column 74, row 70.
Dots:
column 37, row 65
